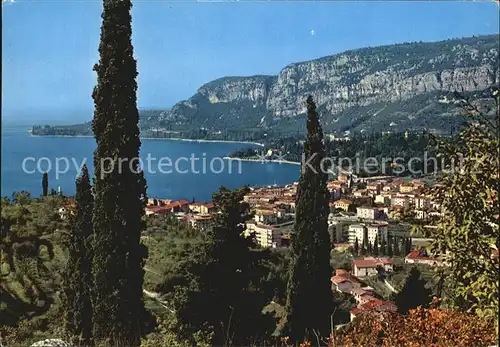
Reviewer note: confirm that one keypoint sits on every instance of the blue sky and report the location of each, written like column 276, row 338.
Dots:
column 49, row 46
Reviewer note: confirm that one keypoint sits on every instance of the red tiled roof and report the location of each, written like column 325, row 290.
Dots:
column 341, row 272
column 339, row 279
column 374, row 305
column 209, row 205
column 343, row 201
column 416, row 255
column 157, row 208
column 371, row 263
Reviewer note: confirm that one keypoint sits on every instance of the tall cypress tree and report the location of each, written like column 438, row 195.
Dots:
column 375, row 247
column 309, row 297
column 396, row 249
column 45, row 184
column 383, row 247
column 390, row 251
column 120, row 189
column 77, row 277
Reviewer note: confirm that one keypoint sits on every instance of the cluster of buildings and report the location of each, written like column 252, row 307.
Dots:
column 274, row 214
column 200, row 216
column 345, row 282
column 369, row 208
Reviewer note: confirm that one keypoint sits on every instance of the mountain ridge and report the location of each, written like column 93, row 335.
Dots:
column 371, row 87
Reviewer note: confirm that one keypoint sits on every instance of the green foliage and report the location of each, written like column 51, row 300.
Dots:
column 218, row 284
column 468, row 228
column 309, row 298
column 45, row 184
column 413, row 293
column 120, row 192
column 77, row 277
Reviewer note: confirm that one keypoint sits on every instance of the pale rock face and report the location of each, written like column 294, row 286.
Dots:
column 358, row 78
column 254, row 89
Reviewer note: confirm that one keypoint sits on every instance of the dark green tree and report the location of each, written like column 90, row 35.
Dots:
column 369, row 250
column 309, row 298
column 77, row 276
column 362, row 250
column 45, row 184
column 390, row 251
column 120, row 189
column 365, row 237
column 216, row 285
column 375, row 247
column 356, row 248
column 408, row 246
column 383, row 247
column 396, row 248
column 414, row 293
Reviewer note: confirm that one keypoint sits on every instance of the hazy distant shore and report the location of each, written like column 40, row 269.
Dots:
column 167, row 139
column 264, row 161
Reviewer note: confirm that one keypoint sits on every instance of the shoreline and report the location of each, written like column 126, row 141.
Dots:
column 263, row 161
column 167, row 139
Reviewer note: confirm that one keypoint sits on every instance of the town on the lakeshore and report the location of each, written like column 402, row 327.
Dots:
column 367, row 214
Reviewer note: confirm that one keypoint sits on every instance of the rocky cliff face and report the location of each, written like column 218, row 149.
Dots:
column 389, row 75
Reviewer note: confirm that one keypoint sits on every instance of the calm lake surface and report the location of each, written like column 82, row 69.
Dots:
column 180, row 175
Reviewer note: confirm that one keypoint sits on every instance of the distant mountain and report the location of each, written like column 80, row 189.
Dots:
column 390, row 87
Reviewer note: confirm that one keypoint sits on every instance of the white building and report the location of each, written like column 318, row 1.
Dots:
column 378, row 231
column 356, row 231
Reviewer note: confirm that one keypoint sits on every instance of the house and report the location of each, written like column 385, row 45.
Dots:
column 371, row 266
column 400, row 200
column 341, row 284
column 369, row 212
column 157, row 210
column 207, row 208
column 343, row 178
column 374, row 188
column 374, row 305
column 422, row 202
column 406, row 188
column 382, row 199
column 158, row 202
column 421, row 257
column 356, row 231
column 342, row 204
column 378, row 231
column 201, row 222
column 195, row 207
column 360, row 193
column 342, row 281
column 66, row 210
column 266, row 217
column 265, row 235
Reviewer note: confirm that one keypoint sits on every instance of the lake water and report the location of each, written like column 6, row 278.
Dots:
column 180, row 175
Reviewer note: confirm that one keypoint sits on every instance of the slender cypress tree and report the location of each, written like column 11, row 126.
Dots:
column 45, row 184
column 120, row 189
column 396, row 249
column 365, row 238
column 383, row 247
column 309, row 297
column 414, row 292
column 356, row 248
column 375, row 247
column 77, row 277
column 390, row 252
